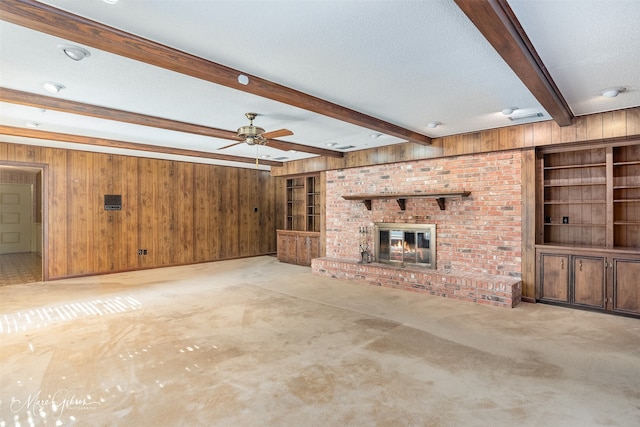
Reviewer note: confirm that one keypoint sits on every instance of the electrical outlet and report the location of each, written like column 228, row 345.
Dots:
column 139, row 251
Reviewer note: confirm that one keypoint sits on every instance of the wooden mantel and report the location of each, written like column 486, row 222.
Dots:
column 402, row 198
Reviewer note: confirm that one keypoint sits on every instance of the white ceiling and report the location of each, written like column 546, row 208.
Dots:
column 405, row 62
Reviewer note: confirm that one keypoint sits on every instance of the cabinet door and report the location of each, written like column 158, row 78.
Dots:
column 304, row 250
column 554, row 283
column 626, row 286
column 589, row 281
column 314, row 248
column 283, row 241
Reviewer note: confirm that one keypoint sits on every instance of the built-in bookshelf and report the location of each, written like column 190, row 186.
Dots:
column 303, row 204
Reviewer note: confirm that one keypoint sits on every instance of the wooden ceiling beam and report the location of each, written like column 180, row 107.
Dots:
column 499, row 25
column 47, row 19
column 51, row 103
column 102, row 142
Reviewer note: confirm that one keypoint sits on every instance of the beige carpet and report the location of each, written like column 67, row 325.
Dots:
column 20, row 268
column 254, row 342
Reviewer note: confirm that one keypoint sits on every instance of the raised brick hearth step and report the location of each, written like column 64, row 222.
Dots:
column 502, row 291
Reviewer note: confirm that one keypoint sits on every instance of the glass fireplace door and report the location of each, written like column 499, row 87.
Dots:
column 412, row 244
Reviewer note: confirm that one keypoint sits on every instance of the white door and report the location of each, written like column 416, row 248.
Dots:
column 15, row 218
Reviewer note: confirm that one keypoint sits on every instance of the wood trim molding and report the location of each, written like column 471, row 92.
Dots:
column 499, row 25
column 51, row 103
column 102, row 142
column 44, row 18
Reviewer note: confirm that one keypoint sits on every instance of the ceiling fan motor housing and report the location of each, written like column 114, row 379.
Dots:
column 251, row 134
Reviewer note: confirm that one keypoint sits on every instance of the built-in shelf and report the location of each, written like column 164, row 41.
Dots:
column 581, row 184
column 561, row 224
column 574, row 202
column 402, row 198
column 575, row 166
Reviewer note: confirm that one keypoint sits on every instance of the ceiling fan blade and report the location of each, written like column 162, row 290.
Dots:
column 230, row 145
column 277, row 134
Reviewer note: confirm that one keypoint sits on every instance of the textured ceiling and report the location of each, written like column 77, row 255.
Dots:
column 405, row 62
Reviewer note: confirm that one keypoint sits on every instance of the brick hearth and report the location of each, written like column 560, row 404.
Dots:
column 502, row 291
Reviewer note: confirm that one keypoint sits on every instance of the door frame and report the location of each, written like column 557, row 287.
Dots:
column 45, row 209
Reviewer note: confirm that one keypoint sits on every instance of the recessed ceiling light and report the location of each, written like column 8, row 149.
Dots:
column 375, row 135
column 110, row 1
column 52, row 87
column 32, row 124
column 74, row 52
column 433, row 125
column 331, row 144
column 612, row 92
column 509, row 111
column 243, row 80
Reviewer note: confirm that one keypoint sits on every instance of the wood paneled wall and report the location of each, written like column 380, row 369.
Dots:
column 597, row 127
column 180, row 212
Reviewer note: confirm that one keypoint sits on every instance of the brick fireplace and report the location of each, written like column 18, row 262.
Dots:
column 479, row 236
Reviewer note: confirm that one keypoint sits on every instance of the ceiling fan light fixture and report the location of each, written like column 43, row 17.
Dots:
column 74, row 52
column 612, row 92
column 52, row 87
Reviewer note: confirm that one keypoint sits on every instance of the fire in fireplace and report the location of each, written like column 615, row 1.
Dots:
column 406, row 244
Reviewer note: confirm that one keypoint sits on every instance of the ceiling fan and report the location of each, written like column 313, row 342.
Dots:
column 253, row 135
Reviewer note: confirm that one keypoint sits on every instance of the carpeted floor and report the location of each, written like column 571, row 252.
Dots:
column 20, row 268
column 254, row 342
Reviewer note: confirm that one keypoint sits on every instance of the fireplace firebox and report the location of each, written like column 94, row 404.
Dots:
column 406, row 244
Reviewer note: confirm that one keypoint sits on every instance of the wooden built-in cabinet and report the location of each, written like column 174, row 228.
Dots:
column 298, row 247
column 588, row 250
column 299, row 242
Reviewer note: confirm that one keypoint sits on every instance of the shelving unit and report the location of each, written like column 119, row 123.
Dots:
column 313, row 204
column 303, row 204
column 295, row 209
column 588, row 250
column 575, row 203
column 626, row 196
column 299, row 242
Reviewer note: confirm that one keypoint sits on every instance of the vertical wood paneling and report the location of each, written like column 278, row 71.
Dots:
column 541, row 133
column 246, row 195
column 102, row 239
column 511, row 137
column 594, row 127
column 57, row 241
column 528, row 176
column 633, row 121
column 180, row 212
column 228, row 210
column 79, row 163
column 614, row 124
column 183, row 225
column 201, row 205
